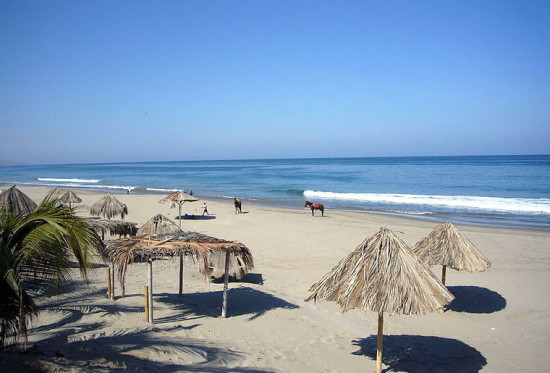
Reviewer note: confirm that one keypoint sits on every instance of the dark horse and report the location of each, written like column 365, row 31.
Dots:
column 238, row 204
column 315, row 206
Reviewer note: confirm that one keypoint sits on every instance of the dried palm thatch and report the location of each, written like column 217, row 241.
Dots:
column 70, row 197
column 113, row 227
column 202, row 248
column 109, row 206
column 382, row 275
column 205, row 249
column 446, row 246
column 178, row 198
column 15, row 200
column 159, row 224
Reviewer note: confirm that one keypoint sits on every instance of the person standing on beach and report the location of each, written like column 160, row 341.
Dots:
column 205, row 209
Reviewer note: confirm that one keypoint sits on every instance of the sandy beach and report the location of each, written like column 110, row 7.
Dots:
column 499, row 321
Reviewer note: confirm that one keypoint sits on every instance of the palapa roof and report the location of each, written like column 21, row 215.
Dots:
column 113, row 227
column 382, row 275
column 17, row 201
column 159, row 224
column 178, row 197
column 445, row 245
column 109, row 206
column 208, row 251
column 69, row 196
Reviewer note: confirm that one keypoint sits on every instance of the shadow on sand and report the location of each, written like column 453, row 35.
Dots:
column 475, row 299
column 251, row 278
column 241, row 301
column 89, row 348
column 196, row 217
column 420, row 354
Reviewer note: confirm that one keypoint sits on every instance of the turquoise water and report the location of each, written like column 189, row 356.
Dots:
column 512, row 191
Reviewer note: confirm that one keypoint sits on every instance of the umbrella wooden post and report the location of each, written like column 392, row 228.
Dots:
column 179, row 216
column 181, row 274
column 108, row 282
column 146, row 300
column 443, row 274
column 379, row 342
column 225, row 283
column 150, row 290
column 112, row 277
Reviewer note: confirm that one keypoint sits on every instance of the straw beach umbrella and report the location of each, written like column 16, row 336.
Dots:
column 384, row 276
column 17, row 201
column 238, row 259
column 108, row 207
column 178, row 198
column 70, row 197
column 446, row 246
column 158, row 224
column 113, row 227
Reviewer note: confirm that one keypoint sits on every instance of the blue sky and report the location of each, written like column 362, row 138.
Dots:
column 101, row 81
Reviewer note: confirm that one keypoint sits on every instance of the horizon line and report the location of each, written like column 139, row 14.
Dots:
column 8, row 163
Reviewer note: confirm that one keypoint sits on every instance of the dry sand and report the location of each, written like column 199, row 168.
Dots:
column 499, row 321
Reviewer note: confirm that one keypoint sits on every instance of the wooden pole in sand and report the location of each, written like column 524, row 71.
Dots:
column 150, row 290
column 379, row 342
column 146, row 299
column 108, row 282
column 443, row 274
column 112, row 281
column 181, row 274
column 179, row 212
column 225, row 284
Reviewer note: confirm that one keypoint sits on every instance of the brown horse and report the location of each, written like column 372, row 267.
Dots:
column 238, row 204
column 315, row 206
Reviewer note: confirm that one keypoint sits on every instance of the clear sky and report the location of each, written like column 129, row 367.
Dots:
column 109, row 81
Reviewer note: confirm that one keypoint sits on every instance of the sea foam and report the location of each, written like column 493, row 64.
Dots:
column 69, row 180
column 524, row 205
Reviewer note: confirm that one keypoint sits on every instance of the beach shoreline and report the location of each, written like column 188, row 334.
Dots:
column 501, row 322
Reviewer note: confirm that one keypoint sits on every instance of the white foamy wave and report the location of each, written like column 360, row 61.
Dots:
column 79, row 185
column 161, row 190
column 526, row 205
column 70, row 180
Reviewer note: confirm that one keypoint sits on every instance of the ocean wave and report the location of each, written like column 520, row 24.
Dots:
column 69, row 180
column 523, row 205
column 161, row 190
column 79, row 186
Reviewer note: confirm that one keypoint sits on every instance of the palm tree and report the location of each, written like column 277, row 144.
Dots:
column 35, row 251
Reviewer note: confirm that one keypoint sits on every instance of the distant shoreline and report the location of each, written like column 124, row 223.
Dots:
column 297, row 206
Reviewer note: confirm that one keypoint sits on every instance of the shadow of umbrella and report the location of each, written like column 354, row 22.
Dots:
column 197, row 305
column 475, row 299
column 421, row 354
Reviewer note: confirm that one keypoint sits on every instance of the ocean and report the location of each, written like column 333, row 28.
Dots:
column 504, row 191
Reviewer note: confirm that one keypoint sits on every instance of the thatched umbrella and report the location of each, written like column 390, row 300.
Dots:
column 160, row 224
column 238, row 259
column 15, row 200
column 446, row 246
column 382, row 275
column 108, row 207
column 113, row 227
column 178, row 198
column 70, row 197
